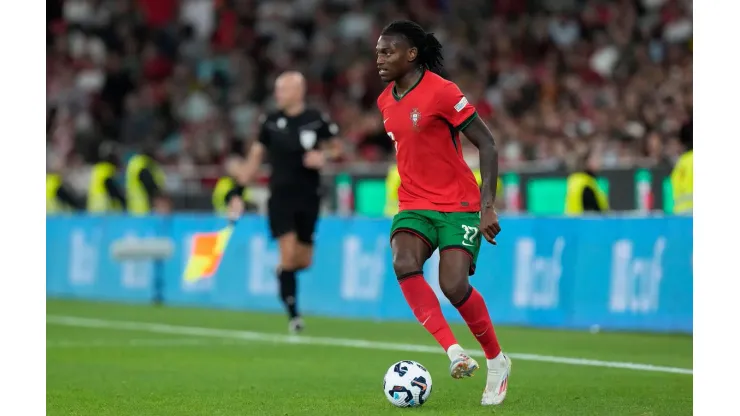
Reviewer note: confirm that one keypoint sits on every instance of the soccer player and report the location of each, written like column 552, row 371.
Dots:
column 440, row 204
column 298, row 141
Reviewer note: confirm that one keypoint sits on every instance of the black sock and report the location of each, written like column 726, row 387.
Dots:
column 288, row 291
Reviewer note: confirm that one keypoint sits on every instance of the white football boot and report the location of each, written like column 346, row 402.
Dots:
column 461, row 364
column 499, row 369
column 296, row 325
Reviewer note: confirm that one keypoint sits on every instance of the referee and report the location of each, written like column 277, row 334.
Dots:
column 297, row 141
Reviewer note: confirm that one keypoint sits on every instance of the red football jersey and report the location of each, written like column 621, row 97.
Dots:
column 424, row 125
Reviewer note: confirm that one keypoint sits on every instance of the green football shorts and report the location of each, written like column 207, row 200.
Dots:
column 446, row 230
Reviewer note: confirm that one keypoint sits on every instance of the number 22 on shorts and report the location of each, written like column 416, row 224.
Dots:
column 470, row 234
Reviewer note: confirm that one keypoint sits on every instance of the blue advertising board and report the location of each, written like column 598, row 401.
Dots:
column 615, row 273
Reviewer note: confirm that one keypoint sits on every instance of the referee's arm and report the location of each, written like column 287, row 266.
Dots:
column 255, row 156
column 237, row 192
column 252, row 165
column 329, row 142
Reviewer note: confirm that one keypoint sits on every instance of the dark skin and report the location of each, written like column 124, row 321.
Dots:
column 396, row 61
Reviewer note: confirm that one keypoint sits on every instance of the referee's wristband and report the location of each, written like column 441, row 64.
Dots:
column 235, row 191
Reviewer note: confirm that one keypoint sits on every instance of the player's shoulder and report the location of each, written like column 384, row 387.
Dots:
column 439, row 84
column 316, row 115
column 313, row 114
column 433, row 79
column 386, row 95
column 269, row 116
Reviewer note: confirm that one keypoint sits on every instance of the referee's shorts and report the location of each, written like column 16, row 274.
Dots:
column 293, row 213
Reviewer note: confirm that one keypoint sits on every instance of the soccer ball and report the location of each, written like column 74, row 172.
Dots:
column 407, row 384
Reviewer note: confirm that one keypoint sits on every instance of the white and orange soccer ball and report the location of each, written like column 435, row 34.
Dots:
column 407, row 384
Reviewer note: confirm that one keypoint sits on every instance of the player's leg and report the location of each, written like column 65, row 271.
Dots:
column 453, row 274
column 413, row 239
column 288, row 283
column 302, row 259
column 306, row 220
column 459, row 246
column 305, row 225
column 283, row 228
column 303, row 254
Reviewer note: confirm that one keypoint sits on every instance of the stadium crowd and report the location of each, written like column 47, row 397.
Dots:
column 552, row 78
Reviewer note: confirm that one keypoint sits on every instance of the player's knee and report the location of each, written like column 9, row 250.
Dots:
column 302, row 256
column 287, row 258
column 405, row 263
column 305, row 264
column 302, row 262
column 454, row 287
column 288, row 263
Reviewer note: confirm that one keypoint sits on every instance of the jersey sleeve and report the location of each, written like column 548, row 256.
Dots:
column 264, row 136
column 454, row 107
column 327, row 130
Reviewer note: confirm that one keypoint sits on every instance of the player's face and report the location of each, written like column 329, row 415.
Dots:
column 288, row 91
column 393, row 58
column 284, row 94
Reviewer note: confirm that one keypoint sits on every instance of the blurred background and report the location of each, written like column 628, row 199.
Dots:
column 561, row 83
column 590, row 102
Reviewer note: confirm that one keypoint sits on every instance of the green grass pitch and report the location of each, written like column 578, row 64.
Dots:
column 113, row 359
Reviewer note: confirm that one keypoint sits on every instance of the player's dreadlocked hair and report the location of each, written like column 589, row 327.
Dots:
column 430, row 50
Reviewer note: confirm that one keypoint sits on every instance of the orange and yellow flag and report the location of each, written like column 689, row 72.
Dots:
column 206, row 253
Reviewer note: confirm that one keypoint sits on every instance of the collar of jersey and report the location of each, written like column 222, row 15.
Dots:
column 418, row 81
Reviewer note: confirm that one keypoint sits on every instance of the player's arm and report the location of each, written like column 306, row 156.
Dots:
column 237, row 192
column 252, row 164
column 329, row 146
column 478, row 133
column 255, row 156
column 247, row 171
column 236, row 204
column 456, row 110
column 330, row 143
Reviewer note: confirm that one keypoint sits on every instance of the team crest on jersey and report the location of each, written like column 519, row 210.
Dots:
column 415, row 117
column 308, row 139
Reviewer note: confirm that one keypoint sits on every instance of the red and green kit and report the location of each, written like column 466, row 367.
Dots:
column 439, row 198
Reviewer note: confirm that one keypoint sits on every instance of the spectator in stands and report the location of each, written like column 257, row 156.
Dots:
column 682, row 177
column 227, row 186
column 59, row 197
column 613, row 78
column 583, row 193
column 145, row 183
column 104, row 195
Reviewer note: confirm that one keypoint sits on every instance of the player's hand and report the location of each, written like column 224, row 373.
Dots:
column 489, row 225
column 236, row 208
column 314, row 159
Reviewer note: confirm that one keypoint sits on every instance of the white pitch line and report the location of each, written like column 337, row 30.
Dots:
column 140, row 342
column 333, row 342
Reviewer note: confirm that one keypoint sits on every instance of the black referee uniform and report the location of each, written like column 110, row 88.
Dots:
column 295, row 190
